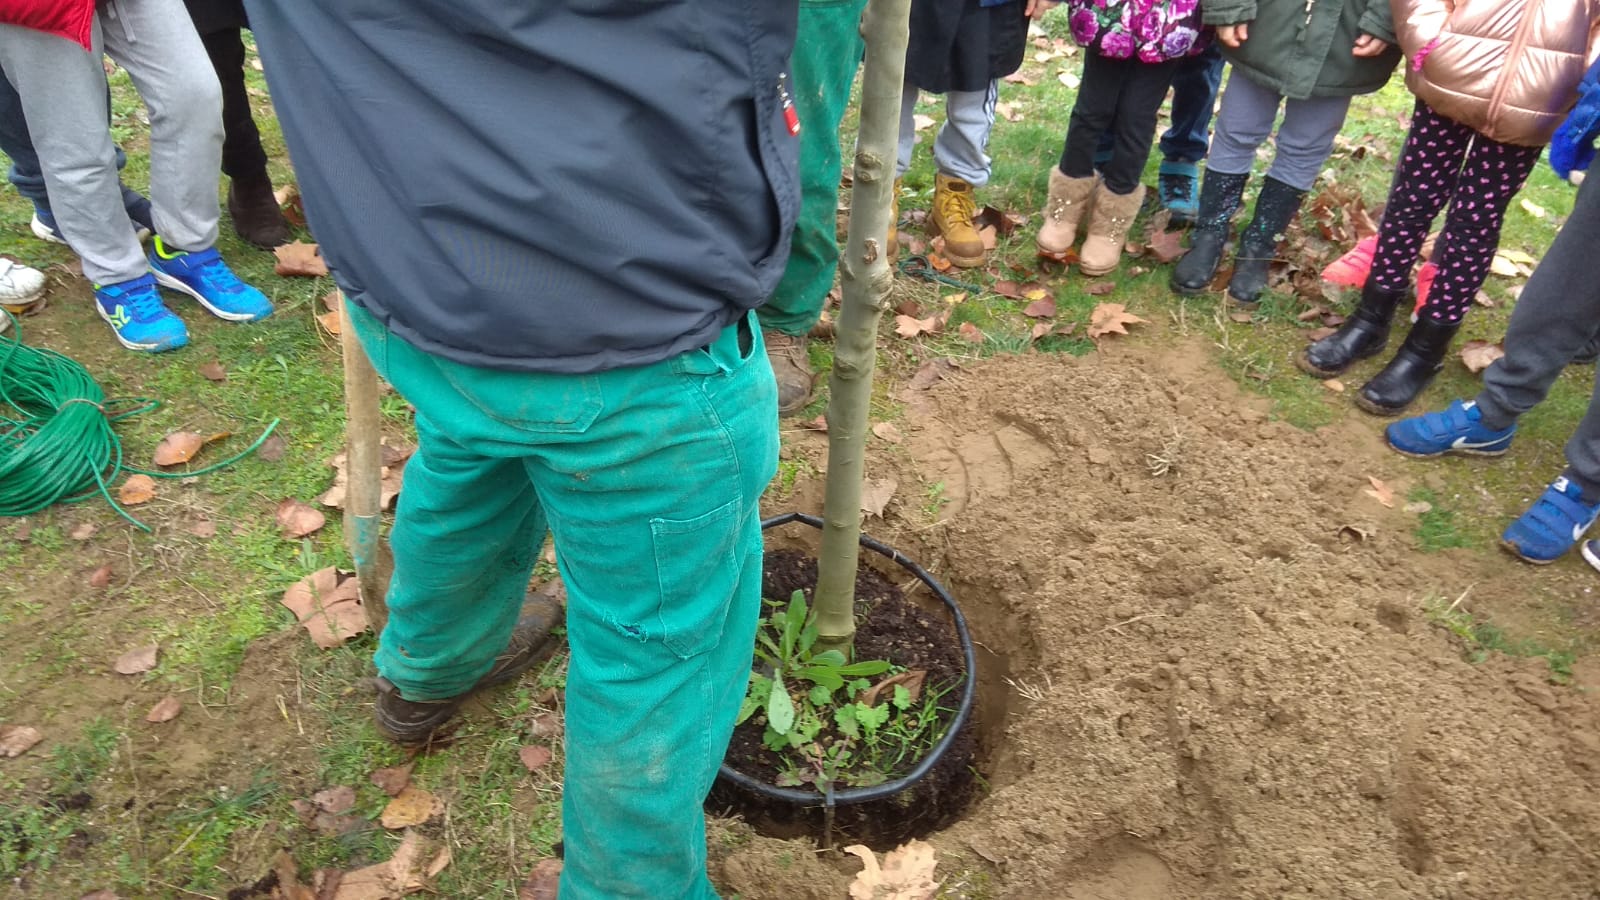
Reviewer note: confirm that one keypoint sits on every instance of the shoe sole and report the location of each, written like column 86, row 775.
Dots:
column 1589, row 555
column 142, row 348
column 1512, row 549
column 1304, row 364
column 511, row 674
column 1381, row 411
column 1453, row 451
column 1096, row 273
column 172, row 283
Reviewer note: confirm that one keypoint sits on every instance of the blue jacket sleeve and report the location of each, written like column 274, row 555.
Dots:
column 1572, row 146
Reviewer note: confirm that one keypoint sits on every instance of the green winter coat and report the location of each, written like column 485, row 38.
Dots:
column 1302, row 54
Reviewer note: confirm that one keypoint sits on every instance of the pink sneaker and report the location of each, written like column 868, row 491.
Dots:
column 1350, row 270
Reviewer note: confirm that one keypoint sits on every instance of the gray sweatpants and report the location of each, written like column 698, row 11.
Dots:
column 1245, row 121
column 63, row 90
column 1557, row 314
column 961, row 147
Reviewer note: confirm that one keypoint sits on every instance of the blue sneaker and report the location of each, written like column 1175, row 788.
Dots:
column 136, row 314
column 204, row 276
column 1551, row 525
column 1457, row 429
column 1179, row 186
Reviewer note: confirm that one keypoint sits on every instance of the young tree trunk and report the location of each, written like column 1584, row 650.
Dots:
column 865, row 277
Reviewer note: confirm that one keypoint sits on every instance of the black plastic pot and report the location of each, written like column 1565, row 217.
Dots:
column 810, row 799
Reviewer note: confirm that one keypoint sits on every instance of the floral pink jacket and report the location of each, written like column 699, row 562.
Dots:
column 1152, row 31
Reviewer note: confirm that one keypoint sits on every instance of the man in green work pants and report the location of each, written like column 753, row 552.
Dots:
column 557, row 263
column 826, row 56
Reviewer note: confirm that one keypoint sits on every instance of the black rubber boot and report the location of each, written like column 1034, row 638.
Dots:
column 1258, row 244
column 1220, row 196
column 1412, row 369
column 1364, row 334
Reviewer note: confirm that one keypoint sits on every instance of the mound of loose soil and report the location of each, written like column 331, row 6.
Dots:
column 1222, row 693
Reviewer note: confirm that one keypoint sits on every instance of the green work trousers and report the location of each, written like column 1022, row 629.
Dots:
column 648, row 478
column 827, row 53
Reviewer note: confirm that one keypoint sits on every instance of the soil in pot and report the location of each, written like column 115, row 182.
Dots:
column 889, row 627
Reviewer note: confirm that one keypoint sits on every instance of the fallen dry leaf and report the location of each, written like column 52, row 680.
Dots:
column 1007, row 288
column 389, row 880
column 213, row 371
column 1532, row 208
column 906, row 874
column 1418, row 507
column 181, row 446
column 297, row 519
column 1503, row 267
column 1018, row 77
column 1483, row 299
column 205, row 528
column 328, row 603
column 970, row 333
column 1043, row 308
column 83, row 532
column 909, row 327
column 337, row 799
column 543, row 882
column 136, row 490
column 272, row 449
column 886, row 431
column 921, row 122
column 875, row 495
column 535, row 757
column 331, row 322
column 164, row 711
column 393, row 779
column 1070, row 79
column 1335, row 385
column 412, row 806
column 1479, row 355
column 16, row 740
column 819, row 424
column 300, row 258
column 1110, row 318
column 333, row 300
column 1241, row 317
column 441, row 861
column 911, row 681
column 546, row 726
column 137, row 660
column 100, row 577
column 990, row 237
column 1099, row 288
column 1380, row 492
column 930, row 373
column 391, row 477
column 1317, row 334
column 1166, row 246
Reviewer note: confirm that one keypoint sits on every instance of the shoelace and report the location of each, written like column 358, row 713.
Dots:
column 142, row 301
column 209, row 267
column 957, row 206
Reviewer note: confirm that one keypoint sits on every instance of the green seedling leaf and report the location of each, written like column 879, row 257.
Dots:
column 794, row 623
column 829, row 658
column 902, row 697
column 780, row 708
column 869, row 667
column 870, row 717
column 756, row 697
column 845, row 718
column 826, row 676
column 820, row 695
column 808, row 639
column 859, row 685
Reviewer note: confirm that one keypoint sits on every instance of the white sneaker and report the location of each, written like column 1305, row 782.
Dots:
column 20, row 286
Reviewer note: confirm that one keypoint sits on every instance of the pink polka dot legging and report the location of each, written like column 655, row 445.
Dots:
column 1446, row 161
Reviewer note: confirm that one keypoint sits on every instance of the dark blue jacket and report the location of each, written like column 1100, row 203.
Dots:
column 551, row 186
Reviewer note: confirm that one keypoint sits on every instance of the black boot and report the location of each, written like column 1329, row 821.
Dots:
column 255, row 212
column 1258, row 244
column 1364, row 334
column 1220, row 196
column 1413, row 367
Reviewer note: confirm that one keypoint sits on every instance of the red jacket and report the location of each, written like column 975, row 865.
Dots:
column 71, row 19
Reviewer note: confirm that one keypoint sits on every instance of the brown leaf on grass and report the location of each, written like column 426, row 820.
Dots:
column 288, row 196
column 205, row 528
column 393, row 779
column 337, row 799
column 391, row 477
column 888, row 432
column 920, row 122
column 970, row 333
column 181, row 446
column 137, row 660
column 83, row 532
column 1111, row 318
column 390, row 880
column 297, row 519
column 1067, row 257
column 441, row 861
column 990, row 237
column 16, row 740
column 911, row 681
column 328, row 603
column 906, row 873
column 1479, row 355
column 300, row 258
column 543, row 882
column 1317, row 334
column 1043, row 308
column 1380, row 492
column 1006, row 288
column 331, row 322
column 272, row 449
column 908, row 307
column 875, row 495
column 938, row 262
column 213, row 371
column 931, row 373
column 136, row 490
column 1047, row 329
column 819, row 424
column 1070, row 79
column 1532, row 208
column 333, row 300
column 908, row 327
column 412, row 806
column 1335, row 385
column 535, row 757
column 164, row 711
column 1483, row 299
column 1099, row 288
column 1312, row 314
column 546, row 727
column 1166, row 246
column 100, row 577
column 1018, row 77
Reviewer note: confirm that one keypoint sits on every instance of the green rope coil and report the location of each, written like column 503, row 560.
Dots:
column 59, row 446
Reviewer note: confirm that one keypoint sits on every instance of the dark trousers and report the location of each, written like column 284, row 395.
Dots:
column 1194, row 101
column 242, row 154
column 1122, row 98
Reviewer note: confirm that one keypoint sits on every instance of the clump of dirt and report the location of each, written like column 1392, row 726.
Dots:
column 891, row 627
column 1221, row 690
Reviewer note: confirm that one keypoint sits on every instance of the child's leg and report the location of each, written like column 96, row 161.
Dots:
column 156, row 42
column 1243, row 124
column 908, row 128
column 1144, row 86
column 63, row 91
column 1493, row 174
column 1425, row 180
column 1306, row 138
column 1092, row 113
column 960, row 150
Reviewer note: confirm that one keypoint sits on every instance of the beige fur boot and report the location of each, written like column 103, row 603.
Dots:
column 1063, row 210
column 1108, row 230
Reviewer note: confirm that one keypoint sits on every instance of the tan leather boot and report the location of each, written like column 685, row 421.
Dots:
column 1064, row 209
column 1108, row 230
column 791, row 366
column 951, row 216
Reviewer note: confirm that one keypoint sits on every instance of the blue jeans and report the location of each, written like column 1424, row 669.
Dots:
column 1194, row 97
column 17, row 143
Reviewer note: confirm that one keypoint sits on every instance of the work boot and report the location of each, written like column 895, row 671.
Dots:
column 1063, row 210
column 791, row 366
column 1412, row 369
column 1365, row 333
column 1258, row 244
column 414, row 721
column 951, row 216
column 1109, row 222
column 256, row 215
column 1220, row 197
column 1178, row 184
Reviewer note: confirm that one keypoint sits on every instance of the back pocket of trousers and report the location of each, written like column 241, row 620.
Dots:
column 698, row 567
